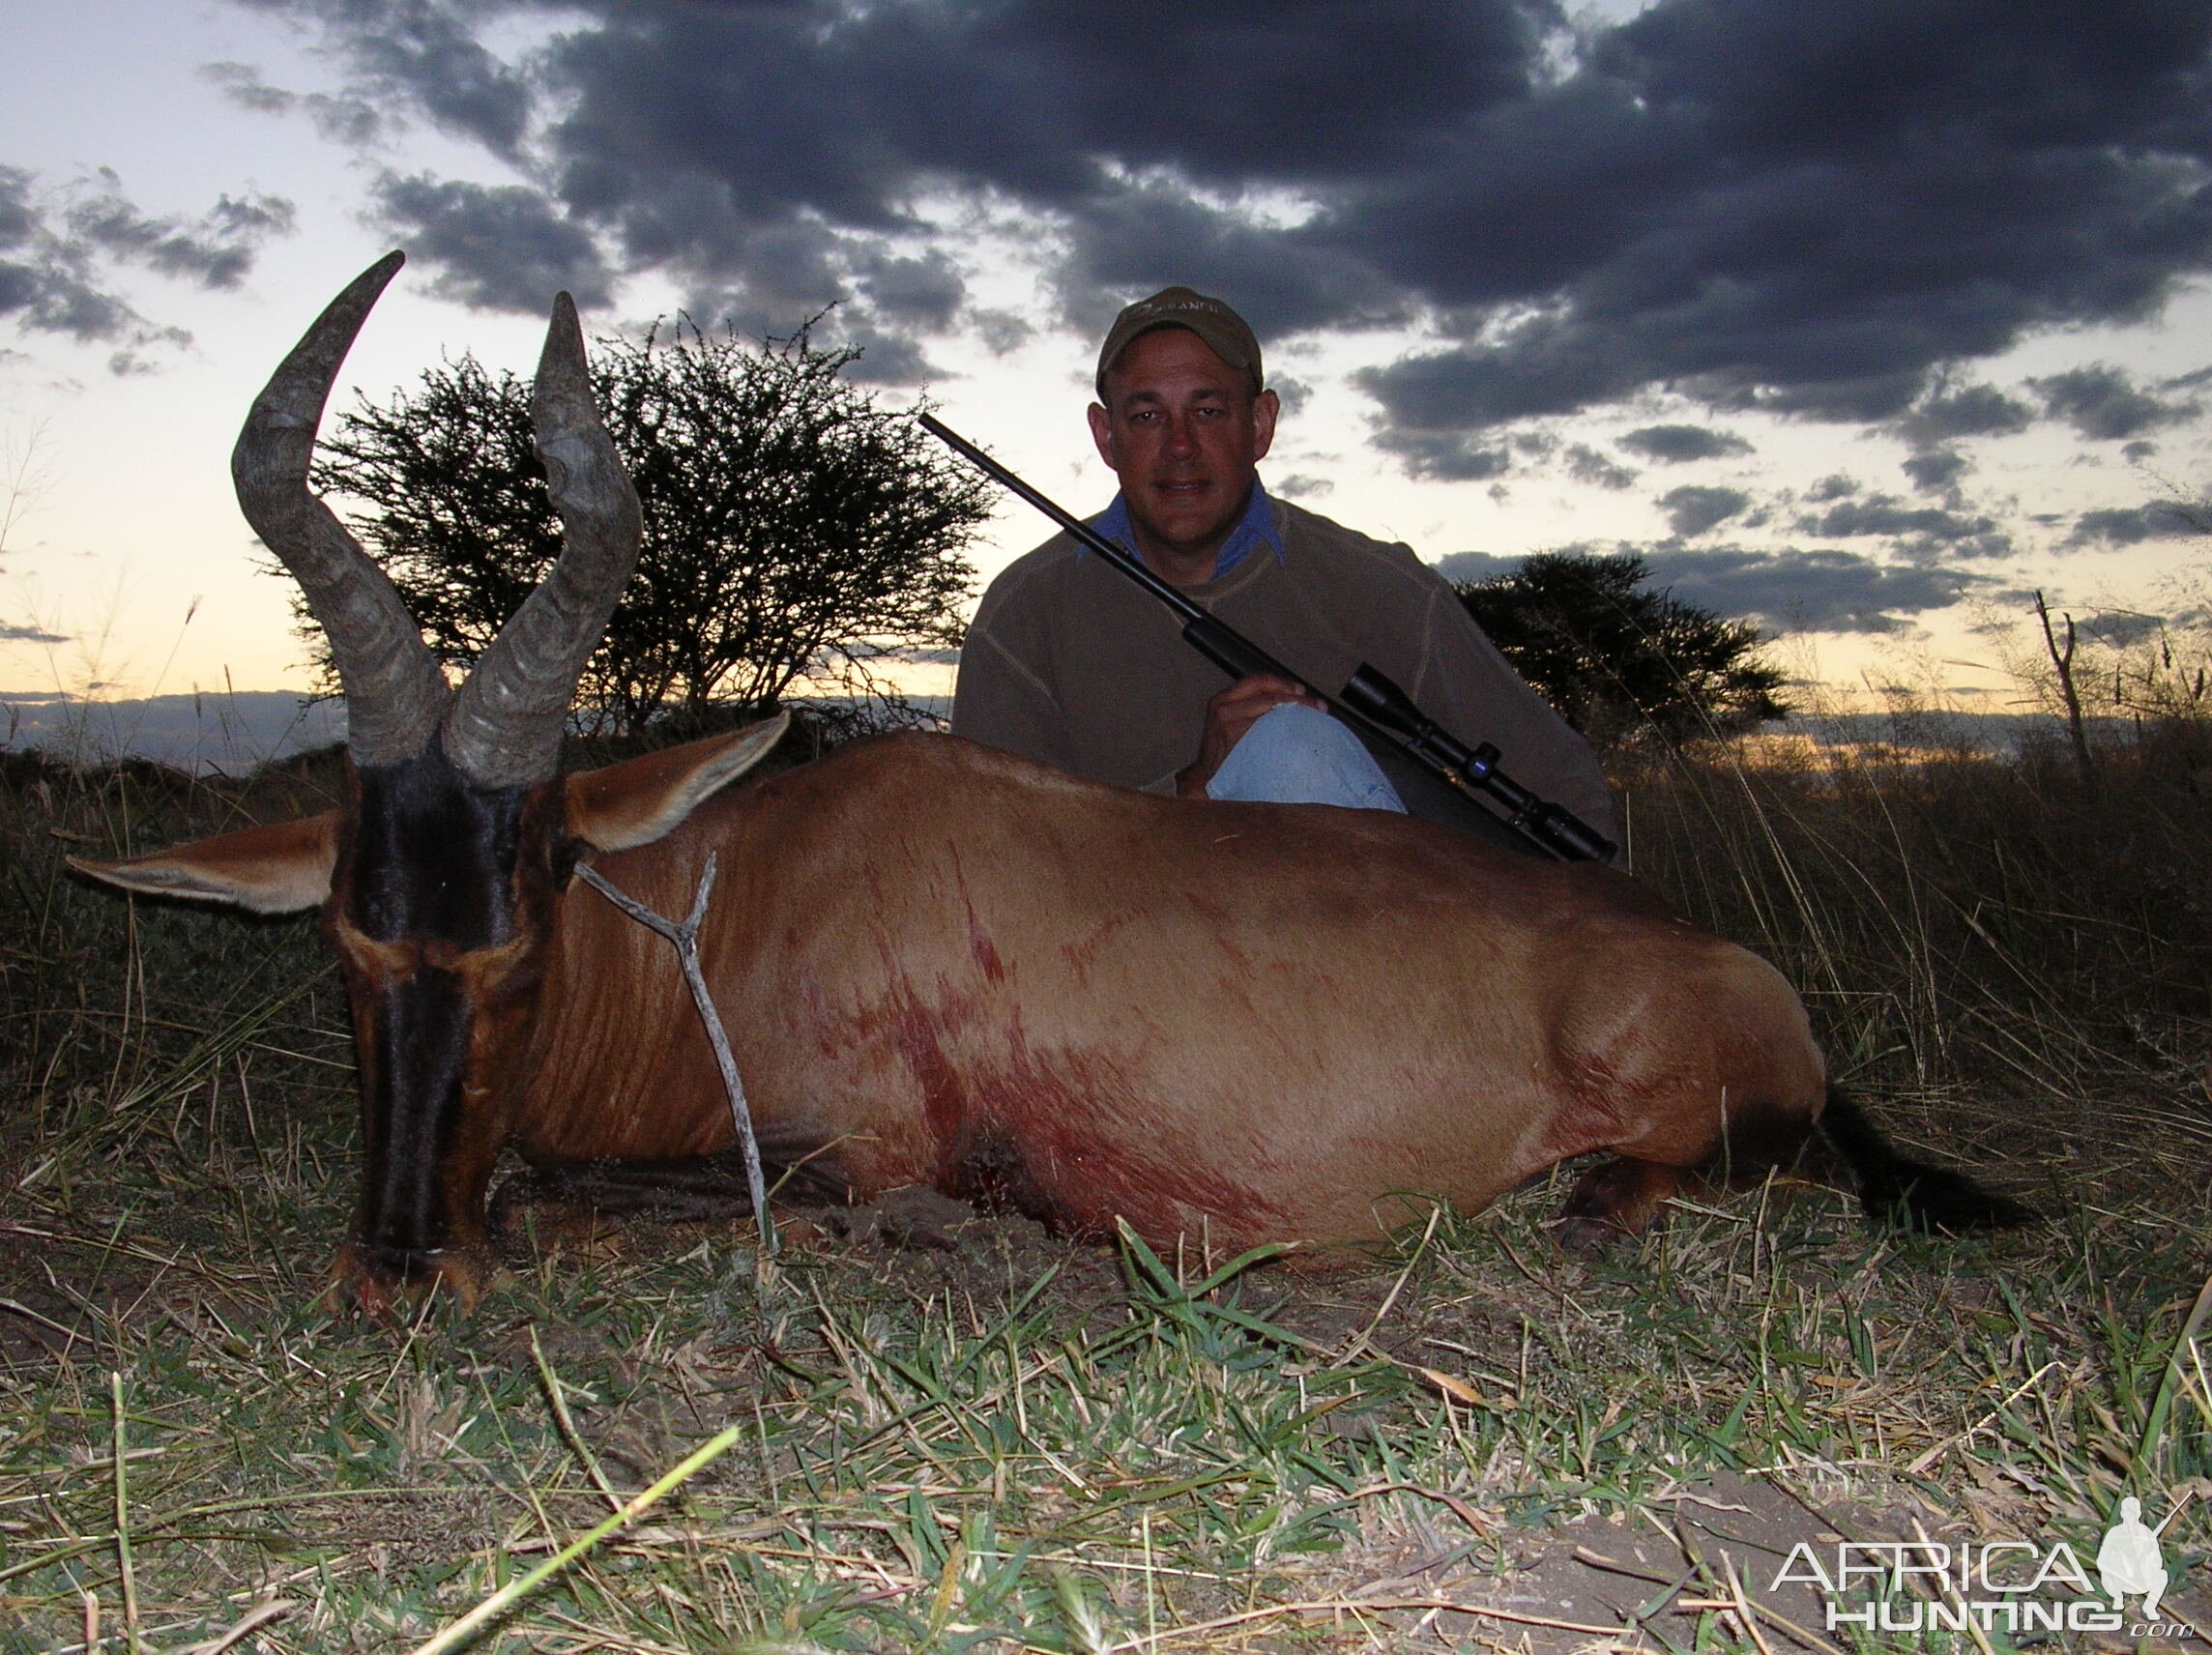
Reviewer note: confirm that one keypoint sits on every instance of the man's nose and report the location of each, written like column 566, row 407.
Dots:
column 1182, row 436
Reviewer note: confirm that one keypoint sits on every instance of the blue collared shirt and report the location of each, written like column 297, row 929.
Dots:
column 1256, row 528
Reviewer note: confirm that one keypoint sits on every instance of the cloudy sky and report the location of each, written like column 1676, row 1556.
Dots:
column 1858, row 317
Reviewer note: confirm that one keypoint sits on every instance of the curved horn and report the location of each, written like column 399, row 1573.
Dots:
column 394, row 691
column 503, row 729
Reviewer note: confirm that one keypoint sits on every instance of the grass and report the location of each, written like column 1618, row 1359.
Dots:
column 1957, row 918
column 1010, row 1442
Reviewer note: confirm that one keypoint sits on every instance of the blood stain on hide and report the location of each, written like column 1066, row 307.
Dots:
column 917, row 1036
column 1077, row 1126
column 1223, row 927
column 1084, row 954
column 986, row 956
column 1068, row 1136
column 979, row 945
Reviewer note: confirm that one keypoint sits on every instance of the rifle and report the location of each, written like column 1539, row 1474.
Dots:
column 1368, row 702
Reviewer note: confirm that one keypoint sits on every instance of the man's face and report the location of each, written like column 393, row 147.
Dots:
column 1184, row 433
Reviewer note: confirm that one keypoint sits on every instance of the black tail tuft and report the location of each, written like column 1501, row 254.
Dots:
column 1896, row 1189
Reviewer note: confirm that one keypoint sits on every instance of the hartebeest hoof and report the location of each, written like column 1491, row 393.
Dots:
column 1614, row 1200
column 359, row 1286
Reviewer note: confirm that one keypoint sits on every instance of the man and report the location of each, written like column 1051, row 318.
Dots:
column 1072, row 664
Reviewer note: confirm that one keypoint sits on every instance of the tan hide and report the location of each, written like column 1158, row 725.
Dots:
column 939, row 964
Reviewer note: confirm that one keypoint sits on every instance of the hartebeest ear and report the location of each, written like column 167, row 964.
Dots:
column 278, row 869
column 638, row 800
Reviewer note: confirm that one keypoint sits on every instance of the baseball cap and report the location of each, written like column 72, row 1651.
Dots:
column 1227, row 335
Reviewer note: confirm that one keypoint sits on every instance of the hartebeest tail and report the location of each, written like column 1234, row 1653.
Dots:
column 1897, row 1189
column 941, row 965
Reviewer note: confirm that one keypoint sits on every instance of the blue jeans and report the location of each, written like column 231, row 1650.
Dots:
column 1300, row 755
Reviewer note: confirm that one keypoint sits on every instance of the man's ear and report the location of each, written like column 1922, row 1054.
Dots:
column 1102, row 433
column 1266, row 407
column 278, row 869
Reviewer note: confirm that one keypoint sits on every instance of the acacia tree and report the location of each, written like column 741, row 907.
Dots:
column 796, row 533
column 1619, row 660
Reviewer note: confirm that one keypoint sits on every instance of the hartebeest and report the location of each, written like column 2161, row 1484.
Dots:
column 941, row 965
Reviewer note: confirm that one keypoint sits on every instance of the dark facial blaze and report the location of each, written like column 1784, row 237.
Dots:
column 440, row 909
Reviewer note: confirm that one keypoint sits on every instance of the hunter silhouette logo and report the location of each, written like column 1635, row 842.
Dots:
column 2129, row 1560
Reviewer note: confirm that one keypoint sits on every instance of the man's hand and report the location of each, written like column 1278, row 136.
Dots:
column 1228, row 716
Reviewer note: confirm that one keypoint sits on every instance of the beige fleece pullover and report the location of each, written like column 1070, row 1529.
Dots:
column 1072, row 664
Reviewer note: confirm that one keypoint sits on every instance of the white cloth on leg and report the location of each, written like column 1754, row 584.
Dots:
column 1294, row 754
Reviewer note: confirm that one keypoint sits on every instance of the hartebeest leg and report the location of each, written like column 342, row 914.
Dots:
column 1620, row 1196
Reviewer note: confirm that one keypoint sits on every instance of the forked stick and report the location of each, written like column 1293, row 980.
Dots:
column 685, row 937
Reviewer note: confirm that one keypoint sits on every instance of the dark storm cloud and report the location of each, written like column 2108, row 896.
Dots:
column 46, row 283
column 1811, row 591
column 1924, row 532
column 1952, row 411
column 1692, row 511
column 1887, row 514
column 2123, row 627
column 1673, row 445
column 347, row 120
column 59, row 251
column 687, row 131
column 926, row 292
column 1293, row 393
column 1134, row 238
column 426, row 51
column 1779, row 590
column 1541, row 366
column 2131, row 525
column 885, row 359
column 1585, row 464
column 1443, row 456
column 1461, row 567
column 2103, row 402
column 217, row 251
column 501, row 247
column 1935, row 470
column 1805, row 206
column 1003, row 330
column 19, row 218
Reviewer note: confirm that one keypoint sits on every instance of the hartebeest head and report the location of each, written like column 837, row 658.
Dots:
column 439, row 877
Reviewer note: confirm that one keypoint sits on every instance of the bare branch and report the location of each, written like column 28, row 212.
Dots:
column 2063, row 661
column 685, row 935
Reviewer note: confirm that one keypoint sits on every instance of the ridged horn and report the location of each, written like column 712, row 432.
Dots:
column 503, row 728
column 394, row 691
